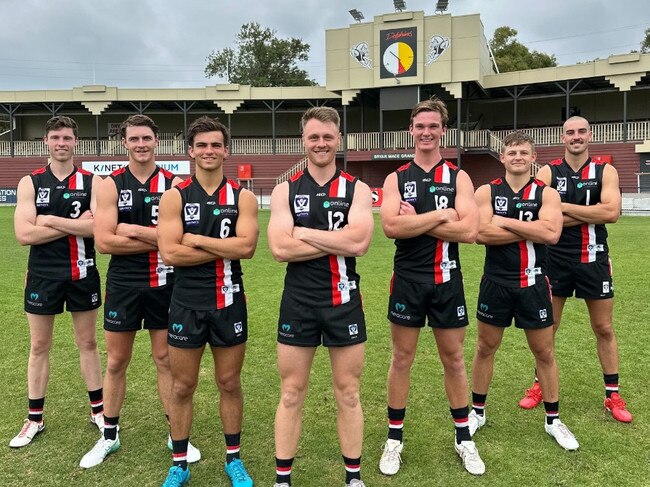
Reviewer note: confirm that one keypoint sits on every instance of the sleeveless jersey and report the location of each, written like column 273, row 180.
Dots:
column 523, row 263
column 424, row 258
column 211, row 285
column 587, row 242
column 68, row 258
column 330, row 280
column 137, row 204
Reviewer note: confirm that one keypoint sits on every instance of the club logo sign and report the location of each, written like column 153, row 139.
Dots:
column 437, row 46
column 361, row 54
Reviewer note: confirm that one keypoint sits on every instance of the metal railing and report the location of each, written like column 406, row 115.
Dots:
column 368, row 141
column 288, row 174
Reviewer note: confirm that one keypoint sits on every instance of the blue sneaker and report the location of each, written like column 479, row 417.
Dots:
column 238, row 474
column 177, row 477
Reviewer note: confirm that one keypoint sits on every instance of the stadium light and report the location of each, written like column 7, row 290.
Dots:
column 356, row 15
column 441, row 6
column 399, row 5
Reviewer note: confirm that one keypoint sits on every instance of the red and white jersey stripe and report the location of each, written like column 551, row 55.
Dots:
column 340, row 280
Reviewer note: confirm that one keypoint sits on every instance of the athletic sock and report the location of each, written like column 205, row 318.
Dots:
column 96, row 400
column 461, row 423
column 536, row 379
column 352, row 469
column 396, row 423
column 283, row 470
column 110, row 427
column 478, row 403
column 35, row 409
column 552, row 411
column 232, row 447
column 179, row 452
column 611, row 384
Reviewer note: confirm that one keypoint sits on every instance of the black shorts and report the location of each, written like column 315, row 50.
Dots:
column 126, row 308
column 410, row 303
column 191, row 328
column 530, row 307
column 46, row 297
column 307, row 326
column 589, row 281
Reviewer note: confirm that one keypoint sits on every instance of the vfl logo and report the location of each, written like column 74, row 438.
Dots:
column 43, row 196
column 361, row 54
column 125, row 199
column 34, row 296
column 301, row 204
column 353, row 329
column 500, row 203
column 239, row 327
column 400, row 308
column 192, row 212
column 543, row 314
column 460, row 311
column 561, row 185
column 484, row 307
column 605, row 287
column 94, row 298
column 437, row 46
column 410, row 190
column 286, row 327
column 177, row 328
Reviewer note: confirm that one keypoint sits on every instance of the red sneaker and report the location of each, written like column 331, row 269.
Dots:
column 532, row 398
column 616, row 405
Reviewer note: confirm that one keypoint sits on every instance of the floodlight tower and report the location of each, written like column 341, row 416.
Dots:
column 399, row 5
column 441, row 6
column 356, row 15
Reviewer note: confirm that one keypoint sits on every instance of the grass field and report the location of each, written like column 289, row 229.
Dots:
column 513, row 444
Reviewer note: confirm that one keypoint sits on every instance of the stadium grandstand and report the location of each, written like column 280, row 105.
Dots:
column 375, row 72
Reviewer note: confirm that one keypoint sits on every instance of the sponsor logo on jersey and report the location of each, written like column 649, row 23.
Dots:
column 285, row 330
column 34, row 296
column 561, row 185
column 346, row 285
column 75, row 194
column 177, row 328
column 460, row 311
column 192, row 213
column 447, row 265
column 596, row 248
column 233, row 288
column 400, row 308
column 442, row 189
column 125, row 200
column 238, row 327
column 543, row 314
column 336, row 204
column 527, row 204
column 43, row 197
column 113, row 317
column 587, row 184
column 301, row 204
column 152, row 198
column 353, row 329
column 501, row 204
column 482, row 311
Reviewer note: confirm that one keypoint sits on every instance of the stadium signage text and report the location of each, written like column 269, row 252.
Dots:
column 390, row 157
column 104, row 168
column 8, row 195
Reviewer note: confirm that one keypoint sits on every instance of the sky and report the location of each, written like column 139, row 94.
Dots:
column 163, row 44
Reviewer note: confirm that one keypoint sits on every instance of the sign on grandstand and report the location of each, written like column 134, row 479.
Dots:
column 104, row 168
column 8, row 196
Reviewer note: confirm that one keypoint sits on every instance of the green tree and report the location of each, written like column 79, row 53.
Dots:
column 645, row 44
column 512, row 55
column 260, row 58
